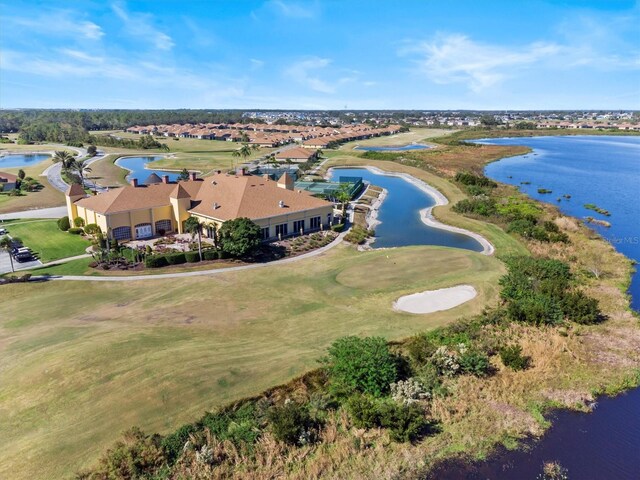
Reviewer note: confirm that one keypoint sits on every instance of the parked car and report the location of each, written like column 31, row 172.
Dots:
column 3, row 231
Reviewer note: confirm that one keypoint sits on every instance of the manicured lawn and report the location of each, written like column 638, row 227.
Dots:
column 45, row 239
column 417, row 135
column 84, row 361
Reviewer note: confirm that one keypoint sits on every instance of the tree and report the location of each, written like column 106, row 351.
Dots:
column 92, row 150
column 63, row 157
column 245, row 151
column 244, row 137
column 239, row 237
column 184, row 175
column 6, row 244
column 343, row 196
column 194, row 227
column 80, row 168
column 364, row 365
column 21, row 174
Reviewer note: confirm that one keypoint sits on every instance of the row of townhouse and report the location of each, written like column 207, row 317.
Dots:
column 265, row 135
column 590, row 125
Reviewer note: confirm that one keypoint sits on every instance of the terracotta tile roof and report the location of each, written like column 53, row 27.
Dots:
column 295, row 152
column 225, row 197
column 132, row 198
column 74, row 189
column 7, row 177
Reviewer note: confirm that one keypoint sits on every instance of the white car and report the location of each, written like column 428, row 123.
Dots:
column 3, row 231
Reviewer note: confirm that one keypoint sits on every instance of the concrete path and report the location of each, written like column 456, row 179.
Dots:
column 54, row 173
column 199, row 273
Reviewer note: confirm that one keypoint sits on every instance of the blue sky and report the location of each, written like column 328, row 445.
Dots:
column 429, row 54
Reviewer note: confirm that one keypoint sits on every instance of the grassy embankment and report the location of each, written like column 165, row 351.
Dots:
column 46, row 240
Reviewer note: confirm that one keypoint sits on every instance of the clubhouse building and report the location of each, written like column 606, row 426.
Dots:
column 158, row 207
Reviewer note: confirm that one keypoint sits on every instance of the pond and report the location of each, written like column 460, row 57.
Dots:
column 399, row 214
column 413, row 146
column 136, row 167
column 22, row 160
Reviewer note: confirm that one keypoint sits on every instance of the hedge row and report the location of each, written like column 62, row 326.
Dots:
column 178, row 258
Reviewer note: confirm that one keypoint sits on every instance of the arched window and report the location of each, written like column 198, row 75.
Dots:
column 163, row 226
column 121, row 233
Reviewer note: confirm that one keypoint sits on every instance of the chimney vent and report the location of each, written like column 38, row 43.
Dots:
column 165, row 178
column 281, row 204
column 192, row 176
column 215, row 205
column 134, row 182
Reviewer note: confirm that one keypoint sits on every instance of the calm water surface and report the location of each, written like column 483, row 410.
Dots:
column 413, row 146
column 401, row 224
column 136, row 165
column 604, row 170
column 22, row 160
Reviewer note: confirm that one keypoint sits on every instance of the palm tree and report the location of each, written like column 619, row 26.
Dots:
column 63, row 157
column 245, row 151
column 343, row 196
column 80, row 167
column 194, row 227
column 6, row 244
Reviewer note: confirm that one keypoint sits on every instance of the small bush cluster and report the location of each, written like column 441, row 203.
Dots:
column 538, row 291
column 512, row 357
column 483, row 206
column 64, row 224
column 76, row 230
column 178, row 258
column 358, row 235
column 529, row 228
column 406, row 423
column 292, row 424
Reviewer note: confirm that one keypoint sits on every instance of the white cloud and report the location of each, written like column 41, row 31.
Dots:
column 139, row 25
column 457, row 58
column 302, row 72
column 294, row 9
column 91, row 30
column 61, row 23
column 256, row 64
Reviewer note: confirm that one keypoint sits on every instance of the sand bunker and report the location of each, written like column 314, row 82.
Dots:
column 435, row 300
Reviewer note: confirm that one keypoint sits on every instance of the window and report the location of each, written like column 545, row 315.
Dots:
column 143, row 230
column 314, row 222
column 163, row 226
column 121, row 233
column 282, row 229
column 298, row 226
column 264, row 233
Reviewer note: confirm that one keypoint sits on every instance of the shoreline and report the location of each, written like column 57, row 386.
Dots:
column 426, row 214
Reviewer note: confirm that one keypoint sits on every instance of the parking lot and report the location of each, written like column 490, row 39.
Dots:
column 5, row 263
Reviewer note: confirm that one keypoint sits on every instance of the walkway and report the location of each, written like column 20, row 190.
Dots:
column 53, row 212
column 198, row 273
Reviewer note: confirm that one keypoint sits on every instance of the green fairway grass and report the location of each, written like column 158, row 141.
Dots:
column 82, row 361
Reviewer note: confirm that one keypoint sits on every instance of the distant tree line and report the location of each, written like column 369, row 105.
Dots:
column 14, row 121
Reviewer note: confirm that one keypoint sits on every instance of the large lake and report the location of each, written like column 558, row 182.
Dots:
column 604, row 170
column 22, row 160
column 400, row 214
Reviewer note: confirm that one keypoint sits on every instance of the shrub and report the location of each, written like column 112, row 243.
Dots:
column 210, row 255
column 137, row 455
column 292, row 424
column 176, row 258
column 174, row 443
column 512, row 357
column 75, row 230
column 361, row 365
column 155, row 261
column 63, row 224
column 467, row 178
column 239, row 237
column 357, row 235
column 78, row 222
column 536, row 309
column 192, row 257
column 420, row 348
column 582, row 309
column 337, row 228
column 446, row 361
column 483, row 206
column 474, row 362
column 408, row 391
column 405, row 422
column 241, row 426
column 92, row 229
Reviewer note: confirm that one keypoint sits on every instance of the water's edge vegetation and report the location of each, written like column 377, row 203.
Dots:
column 454, row 391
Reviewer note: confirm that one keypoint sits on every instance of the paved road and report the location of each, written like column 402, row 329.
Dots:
column 53, row 212
column 54, row 172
